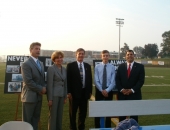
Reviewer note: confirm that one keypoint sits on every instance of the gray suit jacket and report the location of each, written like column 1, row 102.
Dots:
column 56, row 82
column 33, row 81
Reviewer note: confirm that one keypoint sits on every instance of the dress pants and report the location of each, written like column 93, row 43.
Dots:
column 56, row 114
column 31, row 113
column 100, row 97
column 80, row 105
column 127, row 97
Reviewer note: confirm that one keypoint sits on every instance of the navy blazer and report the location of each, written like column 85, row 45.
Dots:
column 135, row 81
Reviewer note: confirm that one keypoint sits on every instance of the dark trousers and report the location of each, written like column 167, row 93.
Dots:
column 100, row 97
column 127, row 97
column 80, row 105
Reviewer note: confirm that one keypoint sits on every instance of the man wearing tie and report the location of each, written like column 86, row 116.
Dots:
column 33, row 86
column 129, row 80
column 79, row 82
column 104, row 79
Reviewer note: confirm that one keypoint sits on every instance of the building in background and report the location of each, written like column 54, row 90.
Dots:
column 88, row 54
column 69, row 56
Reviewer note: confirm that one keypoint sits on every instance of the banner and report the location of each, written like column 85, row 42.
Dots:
column 115, row 63
column 160, row 62
column 149, row 62
column 13, row 76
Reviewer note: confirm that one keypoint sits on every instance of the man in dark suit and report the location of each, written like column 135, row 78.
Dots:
column 79, row 82
column 33, row 86
column 129, row 80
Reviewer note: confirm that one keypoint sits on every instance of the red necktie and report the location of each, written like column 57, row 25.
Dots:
column 129, row 70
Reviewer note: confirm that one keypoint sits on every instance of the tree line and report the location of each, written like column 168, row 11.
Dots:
column 151, row 50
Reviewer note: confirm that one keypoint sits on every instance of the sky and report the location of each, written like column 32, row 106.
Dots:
column 89, row 24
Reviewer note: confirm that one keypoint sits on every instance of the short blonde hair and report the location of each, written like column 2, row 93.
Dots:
column 105, row 51
column 56, row 54
column 34, row 44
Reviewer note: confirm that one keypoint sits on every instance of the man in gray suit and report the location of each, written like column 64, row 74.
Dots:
column 33, row 86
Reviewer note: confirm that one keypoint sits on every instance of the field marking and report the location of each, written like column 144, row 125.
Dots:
column 158, row 85
column 153, row 76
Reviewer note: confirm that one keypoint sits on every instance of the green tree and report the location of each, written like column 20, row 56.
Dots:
column 150, row 50
column 138, row 50
column 165, row 52
column 123, row 50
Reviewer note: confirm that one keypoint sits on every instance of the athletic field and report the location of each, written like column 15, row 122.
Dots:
column 157, row 86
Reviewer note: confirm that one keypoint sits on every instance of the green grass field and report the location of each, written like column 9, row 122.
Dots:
column 157, row 86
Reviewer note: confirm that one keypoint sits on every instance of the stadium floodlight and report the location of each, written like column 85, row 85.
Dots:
column 119, row 23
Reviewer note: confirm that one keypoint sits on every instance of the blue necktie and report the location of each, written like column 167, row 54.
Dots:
column 38, row 64
column 104, row 84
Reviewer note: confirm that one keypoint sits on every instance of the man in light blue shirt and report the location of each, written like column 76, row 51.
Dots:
column 104, row 79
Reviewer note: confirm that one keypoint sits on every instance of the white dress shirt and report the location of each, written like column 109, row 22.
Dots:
column 35, row 59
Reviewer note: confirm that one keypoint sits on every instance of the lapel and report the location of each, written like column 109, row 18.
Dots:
column 77, row 70
column 125, row 70
column 58, row 71
column 85, row 68
column 42, row 67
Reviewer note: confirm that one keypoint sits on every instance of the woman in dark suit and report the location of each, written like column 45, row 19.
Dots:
column 56, row 90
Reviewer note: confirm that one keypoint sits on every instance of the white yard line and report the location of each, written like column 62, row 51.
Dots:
column 158, row 85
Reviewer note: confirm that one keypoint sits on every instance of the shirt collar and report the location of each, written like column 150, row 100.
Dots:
column 79, row 63
column 35, row 59
column 105, row 64
column 131, row 64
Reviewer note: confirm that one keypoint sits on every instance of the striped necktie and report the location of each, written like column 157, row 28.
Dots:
column 81, row 73
column 104, row 83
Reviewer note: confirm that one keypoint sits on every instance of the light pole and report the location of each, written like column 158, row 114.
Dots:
column 119, row 22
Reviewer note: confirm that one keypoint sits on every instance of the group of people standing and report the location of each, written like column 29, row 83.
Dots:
column 75, row 83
